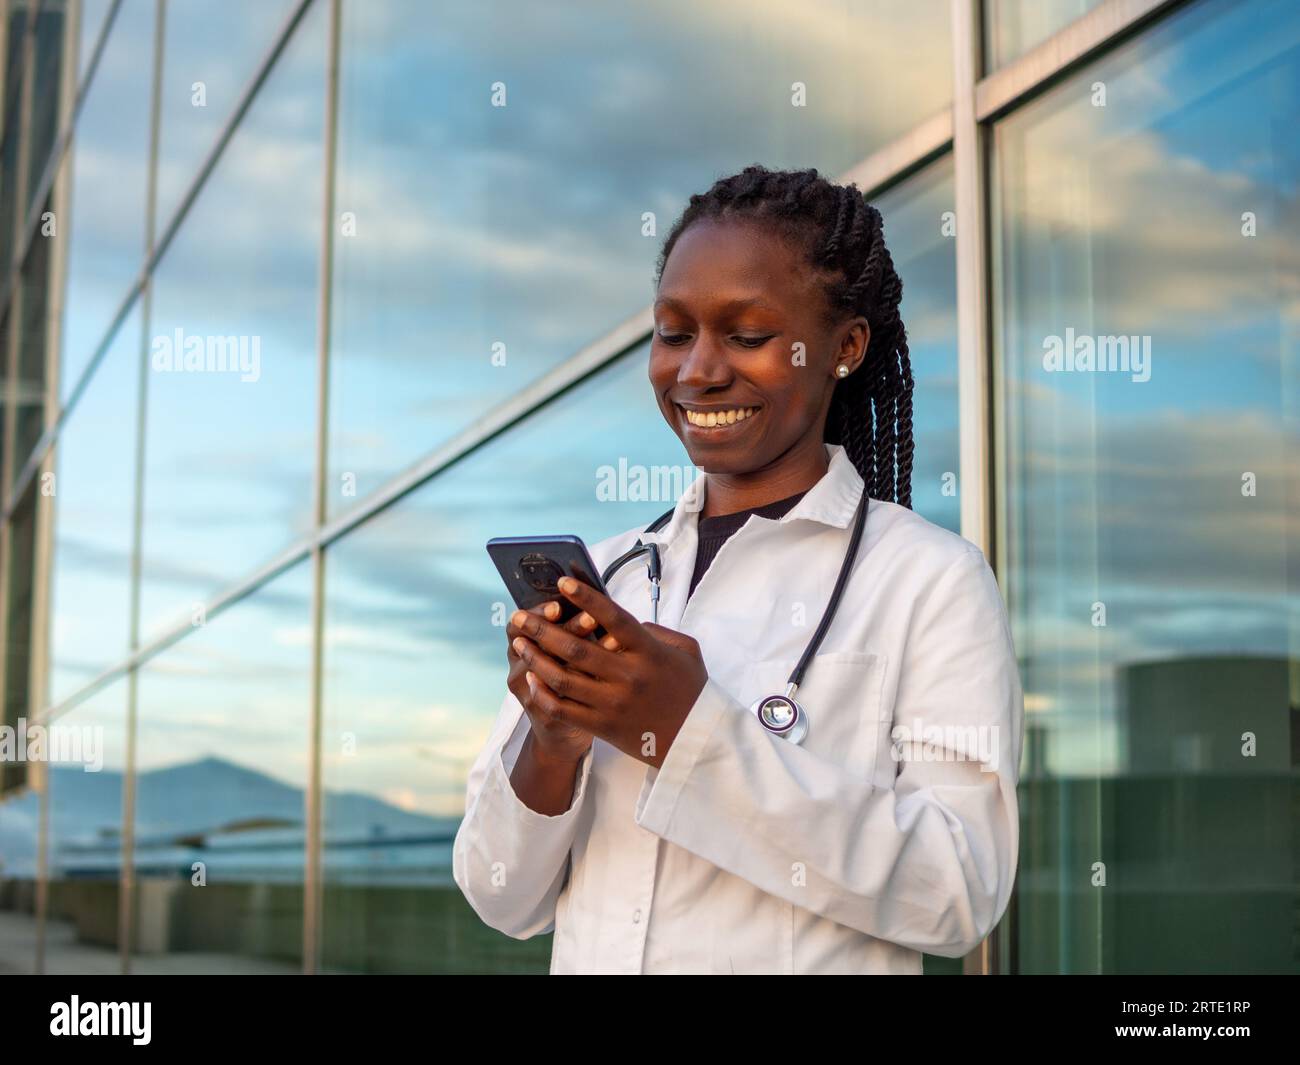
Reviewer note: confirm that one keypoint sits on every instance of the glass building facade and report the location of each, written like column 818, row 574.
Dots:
column 304, row 300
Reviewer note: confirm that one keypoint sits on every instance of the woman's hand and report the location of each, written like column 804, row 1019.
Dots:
column 553, row 739
column 633, row 691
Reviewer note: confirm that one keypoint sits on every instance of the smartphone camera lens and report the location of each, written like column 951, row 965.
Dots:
column 540, row 572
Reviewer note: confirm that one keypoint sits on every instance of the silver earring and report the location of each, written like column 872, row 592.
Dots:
column 841, row 370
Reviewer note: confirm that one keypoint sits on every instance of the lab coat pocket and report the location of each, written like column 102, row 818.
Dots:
column 842, row 693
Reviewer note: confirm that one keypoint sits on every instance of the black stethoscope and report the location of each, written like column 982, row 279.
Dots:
column 780, row 714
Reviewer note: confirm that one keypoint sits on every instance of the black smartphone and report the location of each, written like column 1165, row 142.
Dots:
column 531, row 565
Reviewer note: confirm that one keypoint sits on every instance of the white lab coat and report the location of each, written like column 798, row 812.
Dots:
column 745, row 853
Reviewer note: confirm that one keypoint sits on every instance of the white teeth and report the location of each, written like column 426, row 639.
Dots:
column 723, row 417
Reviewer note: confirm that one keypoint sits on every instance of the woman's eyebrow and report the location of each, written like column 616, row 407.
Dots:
column 731, row 305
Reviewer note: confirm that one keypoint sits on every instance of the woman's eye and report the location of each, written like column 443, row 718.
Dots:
column 676, row 340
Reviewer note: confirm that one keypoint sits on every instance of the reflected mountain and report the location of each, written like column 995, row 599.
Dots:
column 240, row 823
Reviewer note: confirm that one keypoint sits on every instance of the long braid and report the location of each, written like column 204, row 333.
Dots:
column 842, row 235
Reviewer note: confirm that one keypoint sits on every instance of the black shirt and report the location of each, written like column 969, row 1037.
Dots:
column 713, row 532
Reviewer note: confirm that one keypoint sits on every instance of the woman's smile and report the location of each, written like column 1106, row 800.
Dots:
column 715, row 423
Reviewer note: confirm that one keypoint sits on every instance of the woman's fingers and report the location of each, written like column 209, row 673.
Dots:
column 618, row 623
column 583, row 624
column 557, row 710
column 576, row 652
column 550, row 611
column 565, row 683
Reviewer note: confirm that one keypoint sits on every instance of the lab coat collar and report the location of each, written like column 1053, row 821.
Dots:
column 831, row 501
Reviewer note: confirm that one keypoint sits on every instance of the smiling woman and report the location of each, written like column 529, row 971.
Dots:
column 768, row 327
column 630, row 796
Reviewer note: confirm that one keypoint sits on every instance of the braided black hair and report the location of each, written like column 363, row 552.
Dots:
column 843, row 236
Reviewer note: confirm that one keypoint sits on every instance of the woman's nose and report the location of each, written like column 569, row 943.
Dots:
column 705, row 364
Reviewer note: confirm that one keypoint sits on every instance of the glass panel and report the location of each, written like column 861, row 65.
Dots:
column 19, row 802
column 16, row 51
column 85, row 836
column 415, row 667
column 9, row 173
column 919, row 221
column 1147, row 330
column 17, row 594
column 230, row 442
column 20, row 812
column 1013, row 27
column 93, row 13
column 211, row 51
column 10, row 223
column 28, row 400
column 223, row 741
column 110, row 163
column 94, row 500
column 471, row 233
column 6, row 400
column 47, row 61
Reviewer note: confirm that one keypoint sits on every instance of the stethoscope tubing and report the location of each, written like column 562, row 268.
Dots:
column 795, row 728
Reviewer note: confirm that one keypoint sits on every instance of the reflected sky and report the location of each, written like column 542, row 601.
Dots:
column 109, row 164
column 460, row 207
column 924, row 254
column 229, row 461
column 1127, row 220
column 1013, row 27
column 93, row 13
column 217, row 45
column 93, row 501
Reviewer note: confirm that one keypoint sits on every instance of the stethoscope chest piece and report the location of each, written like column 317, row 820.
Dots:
column 782, row 716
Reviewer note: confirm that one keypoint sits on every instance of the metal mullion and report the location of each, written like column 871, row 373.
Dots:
column 14, row 358
column 973, row 381
column 14, row 353
column 127, row 884
column 313, row 887
column 6, row 322
column 969, row 158
column 4, row 86
column 45, row 515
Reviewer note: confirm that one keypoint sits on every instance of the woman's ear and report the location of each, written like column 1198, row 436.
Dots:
column 852, row 348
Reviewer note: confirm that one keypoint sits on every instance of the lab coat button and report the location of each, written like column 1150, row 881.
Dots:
column 636, row 917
